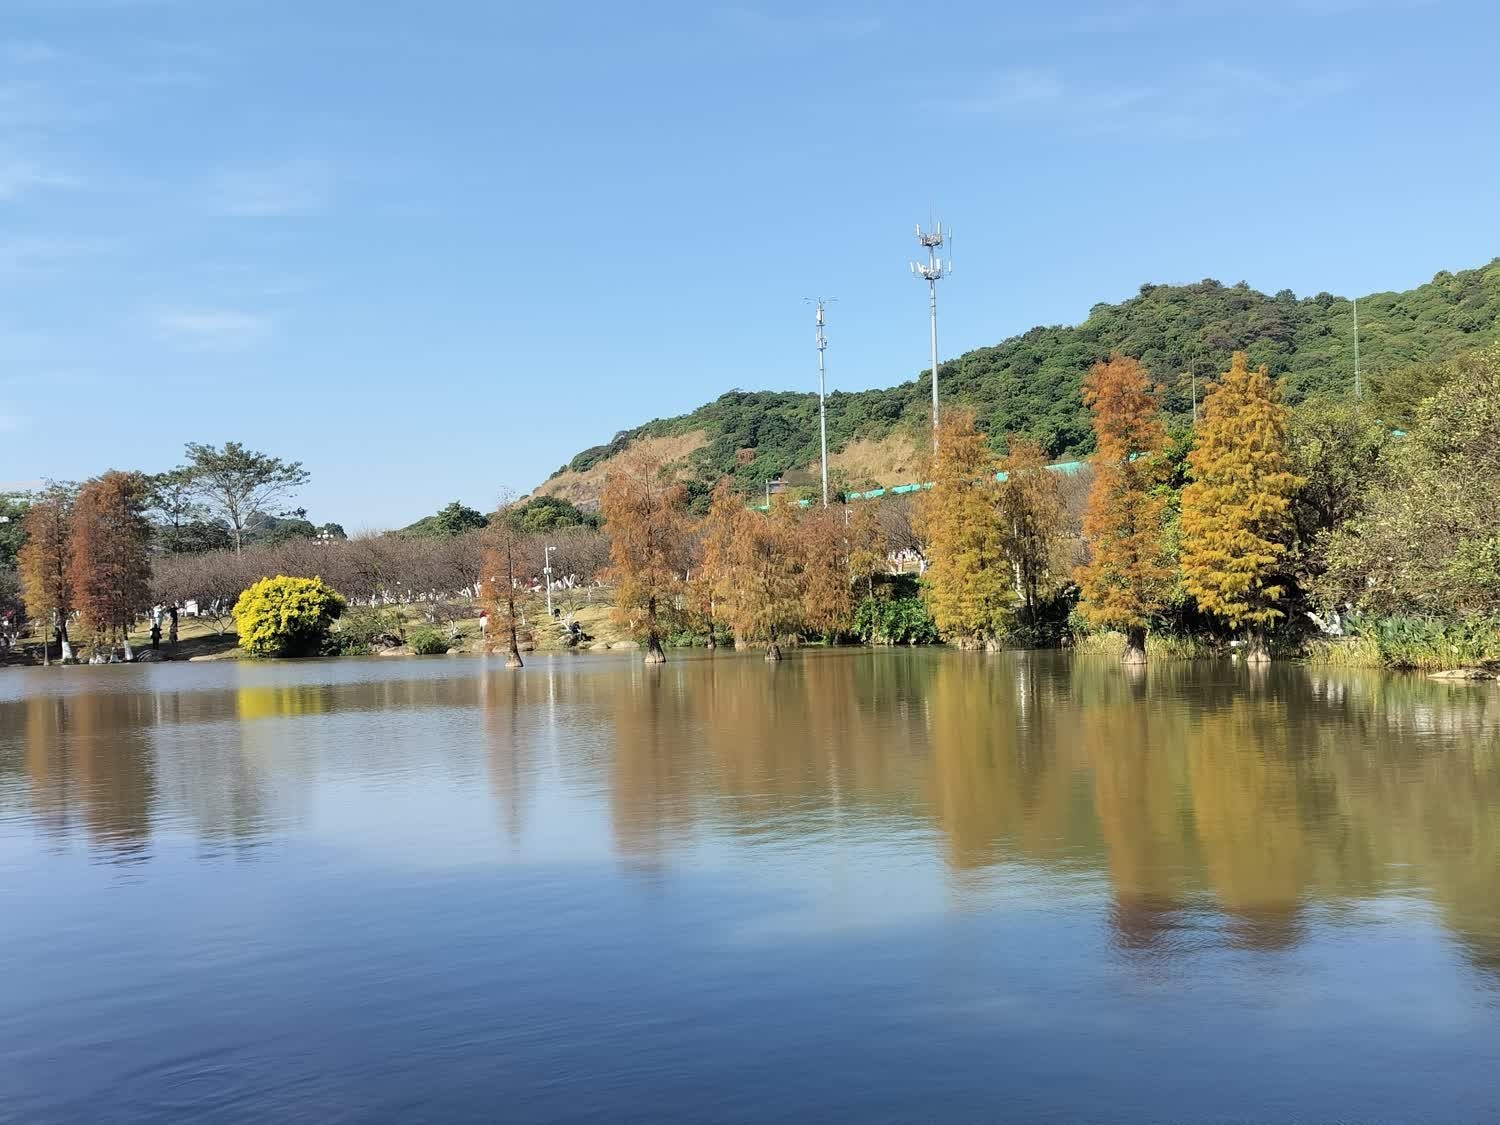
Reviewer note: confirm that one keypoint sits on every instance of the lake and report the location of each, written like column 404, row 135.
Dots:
column 856, row 886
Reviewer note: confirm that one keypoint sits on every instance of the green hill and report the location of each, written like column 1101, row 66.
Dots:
column 1030, row 383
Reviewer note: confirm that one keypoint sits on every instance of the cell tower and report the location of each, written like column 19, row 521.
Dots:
column 932, row 271
column 820, row 341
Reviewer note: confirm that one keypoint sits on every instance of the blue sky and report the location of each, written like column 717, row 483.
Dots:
column 432, row 250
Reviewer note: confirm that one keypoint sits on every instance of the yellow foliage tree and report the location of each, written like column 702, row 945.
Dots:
column 645, row 511
column 1034, row 523
column 1129, row 569
column 1236, row 512
column 968, row 586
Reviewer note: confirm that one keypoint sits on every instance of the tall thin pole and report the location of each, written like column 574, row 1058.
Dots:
column 547, row 574
column 1356, row 350
column 932, row 271
column 1193, row 375
column 821, row 342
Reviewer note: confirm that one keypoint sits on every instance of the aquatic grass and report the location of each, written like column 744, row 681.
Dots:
column 1422, row 644
column 1161, row 645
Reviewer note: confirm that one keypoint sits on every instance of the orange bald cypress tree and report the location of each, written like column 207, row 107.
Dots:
column 718, row 578
column 645, row 511
column 1129, row 569
column 43, row 563
column 823, row 542
column 1236, row 513
column 109, row 569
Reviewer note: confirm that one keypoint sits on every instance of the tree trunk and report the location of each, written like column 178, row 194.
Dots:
column 740, row 643
column 129, row 652
column 1256, row 649
column 64, row 648
column 654, row 653
column 1135, row 646
column 773, row 652
column 712, row 644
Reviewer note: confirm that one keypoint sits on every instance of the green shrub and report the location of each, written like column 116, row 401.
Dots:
column 363, row 629
column 894, row 621
column 427, row 642
column 285, row 616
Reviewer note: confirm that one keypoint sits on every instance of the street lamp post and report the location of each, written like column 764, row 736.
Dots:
column 547, row 574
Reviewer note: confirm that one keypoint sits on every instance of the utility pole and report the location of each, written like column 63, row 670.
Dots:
column 547, row 574
column 1193, row 375
column 932, row 271
column 1356, row 350
column 821, row 342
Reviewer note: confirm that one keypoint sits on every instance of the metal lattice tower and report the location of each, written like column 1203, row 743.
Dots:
column 932, row 271
column 820, row 341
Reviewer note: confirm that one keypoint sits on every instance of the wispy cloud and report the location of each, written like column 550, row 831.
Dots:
column 292, row 187
column 784, row 31
column 207, row 329
column 27, row 256
column 19, row 176
column 50, row 379
column 1199, row 101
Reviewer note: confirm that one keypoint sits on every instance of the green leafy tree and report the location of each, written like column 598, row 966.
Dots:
column 235, row 482
column 1428, row 540
column 541, row 514
column 285, row 616
column 12, row 531
column 1335, row 447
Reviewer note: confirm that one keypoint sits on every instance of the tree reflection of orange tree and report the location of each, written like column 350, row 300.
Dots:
column 86, row 753
column 49, row 780
column 1250, row 817
column 1142, row 802
column 806, row 742
column 998, row 778
column 657, row 778
column 505, row 703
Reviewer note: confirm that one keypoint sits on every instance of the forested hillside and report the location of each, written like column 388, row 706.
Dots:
column 1029, row 384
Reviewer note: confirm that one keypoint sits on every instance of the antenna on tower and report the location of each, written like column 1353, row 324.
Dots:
column 820, row 341
column 932, row 271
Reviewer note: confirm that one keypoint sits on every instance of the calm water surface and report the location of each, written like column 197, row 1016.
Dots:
column 858, row 886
